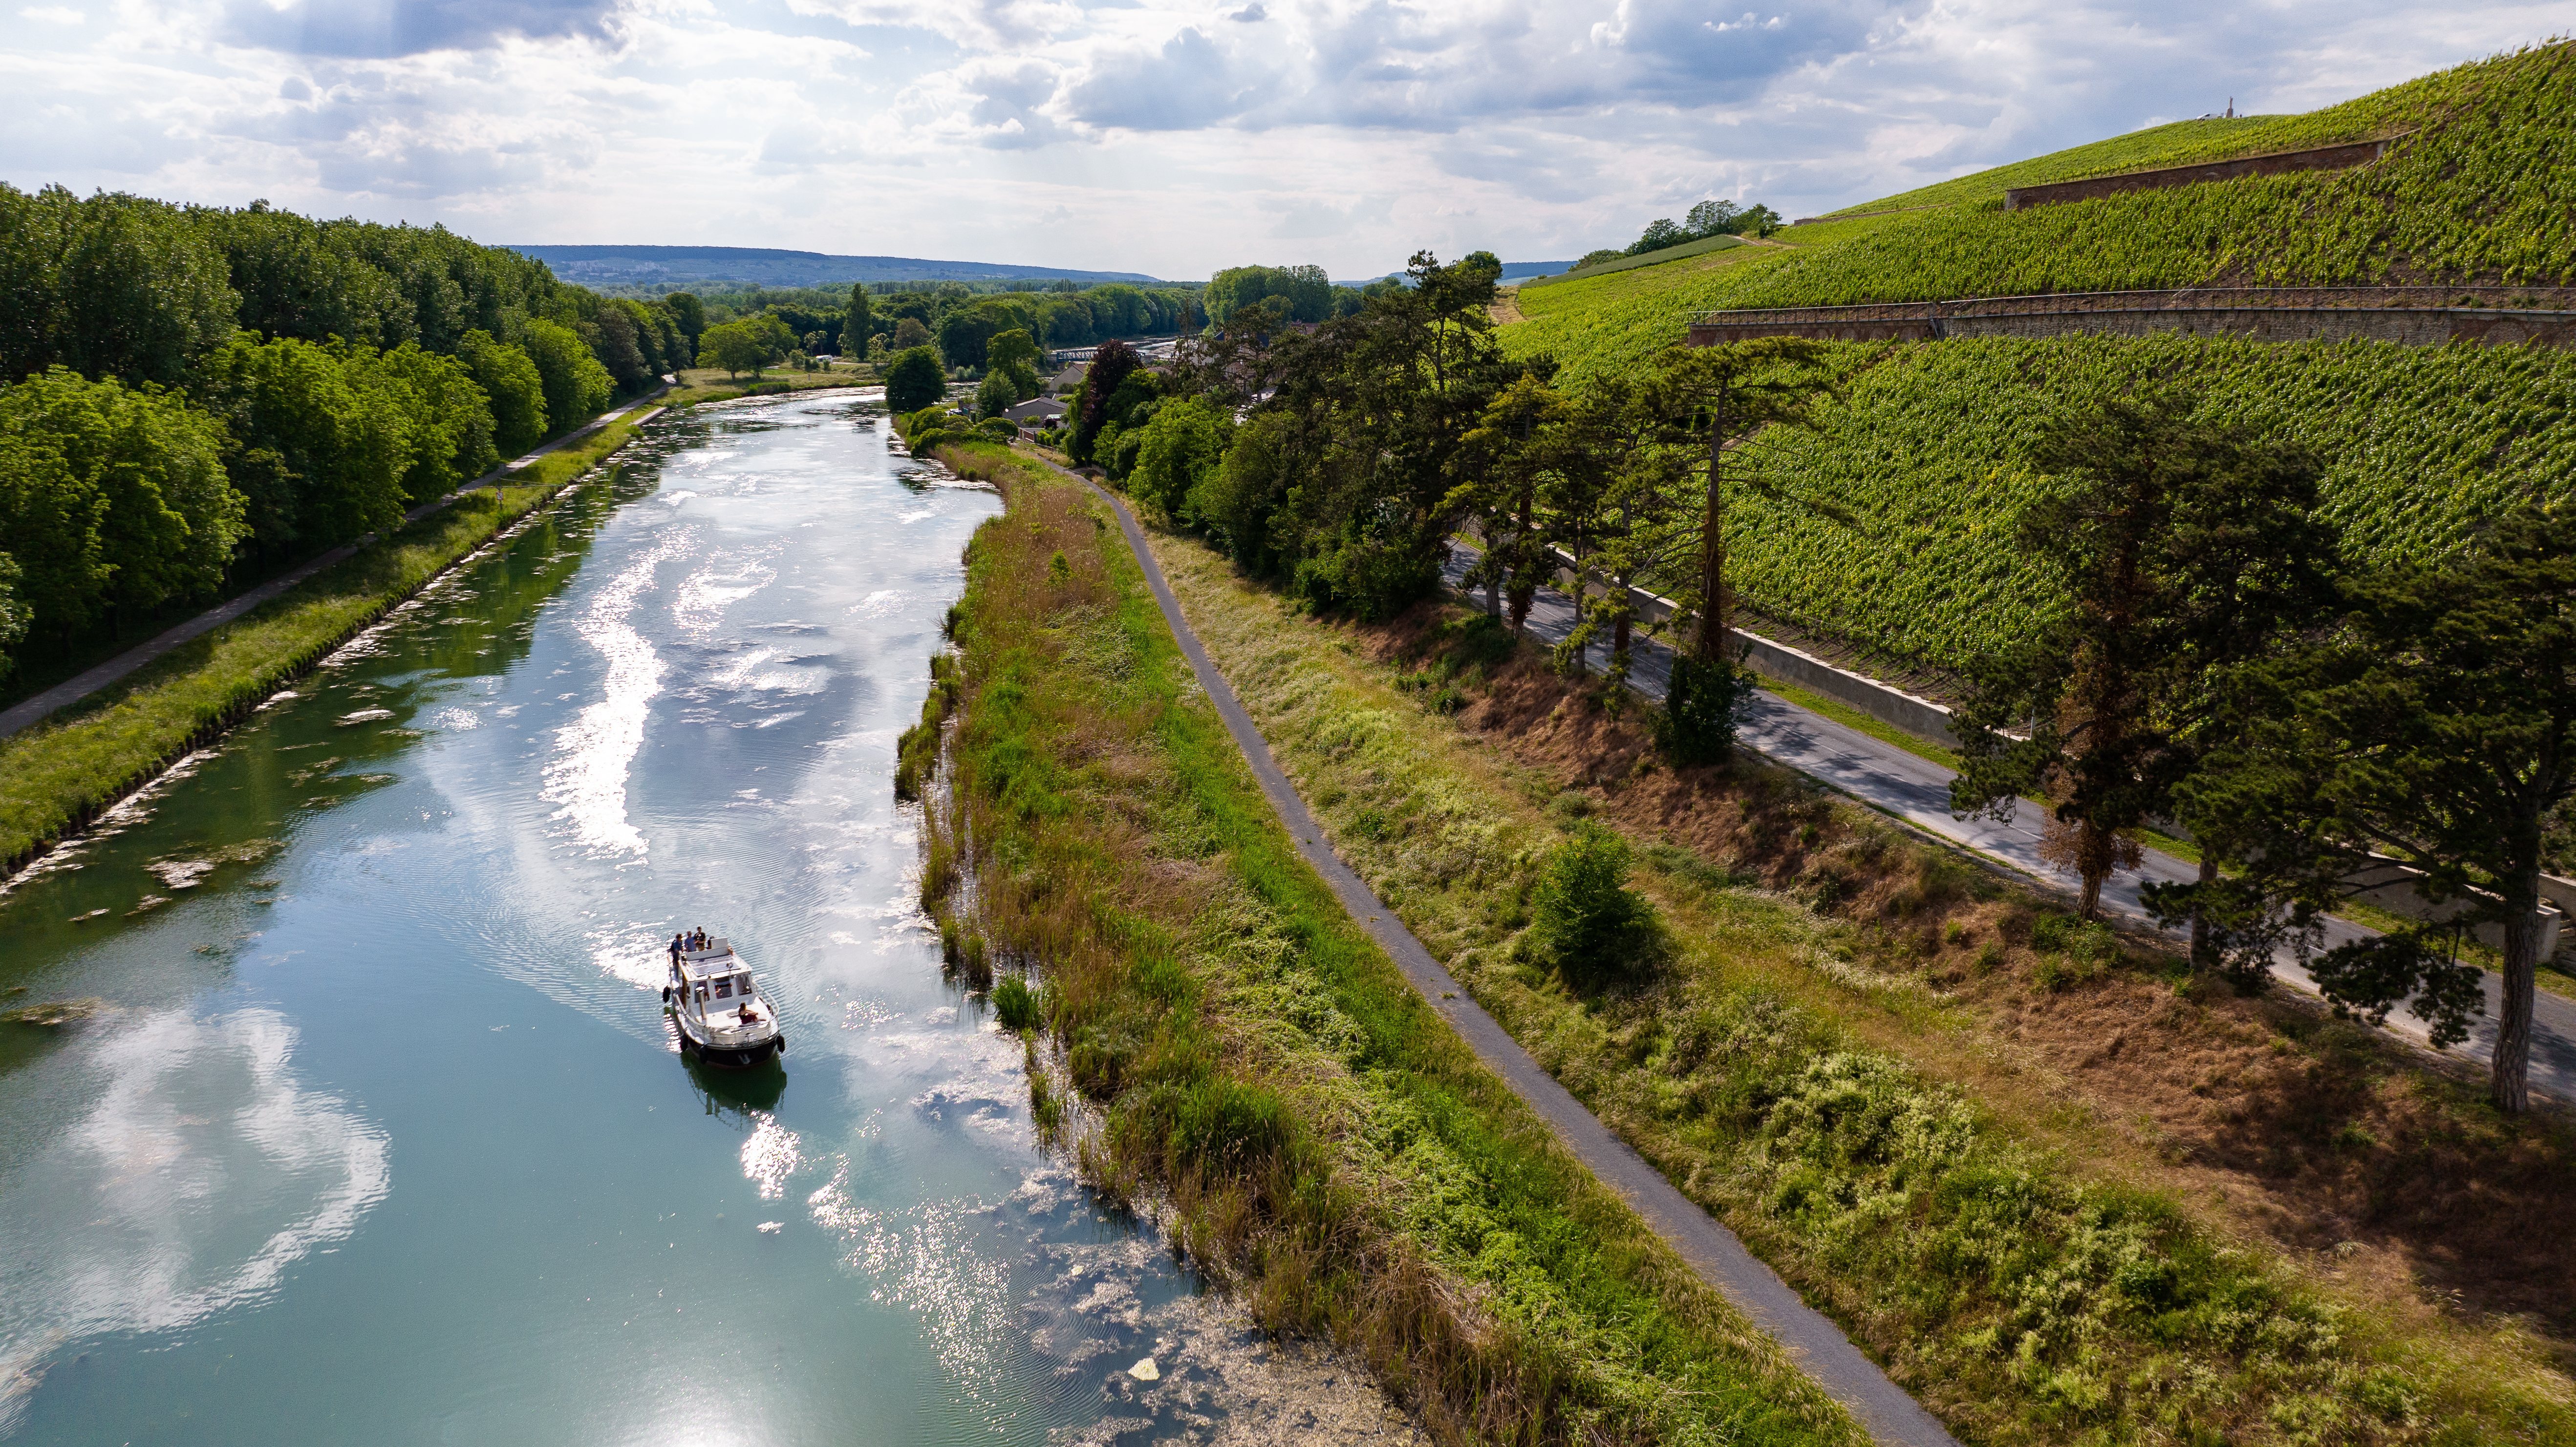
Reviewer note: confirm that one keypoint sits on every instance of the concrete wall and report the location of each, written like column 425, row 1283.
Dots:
column 2392, row 887
column 2411, row 316
column 1887, row 703
column 2090, row 188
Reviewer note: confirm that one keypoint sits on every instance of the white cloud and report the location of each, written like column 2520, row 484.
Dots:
column 52, row 14
column 1169, row 136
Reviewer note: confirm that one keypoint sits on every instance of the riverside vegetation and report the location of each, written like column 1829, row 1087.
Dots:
column 1217, row 1043
column 57, row 774
column 2068, row 1190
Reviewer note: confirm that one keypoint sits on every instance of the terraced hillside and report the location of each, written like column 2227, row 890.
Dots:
column 1925, row 451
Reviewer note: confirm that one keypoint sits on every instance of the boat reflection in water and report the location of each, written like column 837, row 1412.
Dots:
column 745, row 1097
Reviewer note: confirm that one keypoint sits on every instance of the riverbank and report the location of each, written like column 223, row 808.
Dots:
column 58, row 775
column 1216, row 1042
column 2065, row 1191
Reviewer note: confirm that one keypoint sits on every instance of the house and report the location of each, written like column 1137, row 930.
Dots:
column 1040, row 413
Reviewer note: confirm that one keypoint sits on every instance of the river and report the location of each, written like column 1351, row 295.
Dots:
column 375, row 1133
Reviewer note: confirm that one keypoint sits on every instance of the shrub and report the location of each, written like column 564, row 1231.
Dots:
column 1701, row 709
column 1015, row 1004
column 1586, row 922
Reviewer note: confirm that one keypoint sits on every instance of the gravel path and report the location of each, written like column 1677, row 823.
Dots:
column 1812, row 1340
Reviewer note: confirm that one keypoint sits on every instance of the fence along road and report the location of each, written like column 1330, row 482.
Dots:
column 1811, row 1338
column 1917, row 791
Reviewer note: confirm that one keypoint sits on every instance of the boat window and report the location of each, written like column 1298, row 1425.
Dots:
column 742, row 983
column 724, row 988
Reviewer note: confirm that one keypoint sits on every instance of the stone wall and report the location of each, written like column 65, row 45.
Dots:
column 2091, row 188
column 2410, row 315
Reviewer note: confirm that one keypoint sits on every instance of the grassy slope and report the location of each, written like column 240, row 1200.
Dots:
column 2480, row 192
column 2421, row 442
column 1683, row 252
column 2244, row 1226
column 55, row 774
column 2176, row 144
column 1255, row 1068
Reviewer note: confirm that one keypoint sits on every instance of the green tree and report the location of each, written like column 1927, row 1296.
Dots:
column 451, row 423
column 512, row 389
column 996, row 396
column 691, row 314
column 1015, row 355
column 738, row 347
column 1658, row 235
column 914, row 380
column 910, row 332
column 337, row 447
column 1509, row 455
column 1585, row 922
column 115, row 495
column 2179, row 547
column 577, row 387
column 114, row 285
column 1176, row 452
column 857, row 325
column 2435, row 726
column 1306, row 290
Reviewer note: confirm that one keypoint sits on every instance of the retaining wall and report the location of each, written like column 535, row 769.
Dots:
column 2091, row 188
column 1884, row 702
column 2409, row 315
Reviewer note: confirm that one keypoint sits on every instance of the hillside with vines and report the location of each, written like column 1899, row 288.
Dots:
column 1923, row 455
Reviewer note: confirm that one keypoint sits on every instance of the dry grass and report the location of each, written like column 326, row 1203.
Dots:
column 2430, row 1232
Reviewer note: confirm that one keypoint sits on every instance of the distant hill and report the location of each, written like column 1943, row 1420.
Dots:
column 646, row 265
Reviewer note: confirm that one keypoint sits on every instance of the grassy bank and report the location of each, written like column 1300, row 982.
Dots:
column 713, row 384
column 57, row 775
column 2067, row 1192
column 1216, row 1042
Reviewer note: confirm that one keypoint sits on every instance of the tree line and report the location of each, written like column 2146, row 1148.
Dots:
column 1709, row 218
column 190, row 394
column 2218, row 664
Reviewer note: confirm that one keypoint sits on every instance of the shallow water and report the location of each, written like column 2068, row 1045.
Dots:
column 377, row 1134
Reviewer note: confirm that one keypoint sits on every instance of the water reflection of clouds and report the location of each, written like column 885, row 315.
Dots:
column 774, row 671
column 698, row 604
column 201, row 1173
column 588, row 777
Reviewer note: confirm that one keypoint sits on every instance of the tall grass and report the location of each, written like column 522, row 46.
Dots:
column 58, row 775
column 1805, row 1062
column 1223, row 1047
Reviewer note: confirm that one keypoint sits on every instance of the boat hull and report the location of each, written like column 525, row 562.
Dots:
column 735, row 1054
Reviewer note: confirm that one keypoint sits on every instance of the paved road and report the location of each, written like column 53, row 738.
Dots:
column 1812, row 1340
column 1916, row 790
column 73, row 690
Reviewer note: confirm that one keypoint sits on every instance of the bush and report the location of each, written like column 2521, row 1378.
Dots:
column 1586, row 922
column 1702, row 709
column 1015, row 1004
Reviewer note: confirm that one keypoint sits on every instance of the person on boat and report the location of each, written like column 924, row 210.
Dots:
column 675, row 950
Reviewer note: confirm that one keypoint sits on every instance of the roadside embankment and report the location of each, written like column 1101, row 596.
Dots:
column 2063, row 1189
column 1220, row 1045
column 57, row 776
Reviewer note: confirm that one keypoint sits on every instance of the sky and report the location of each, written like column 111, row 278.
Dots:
column 1158, row 136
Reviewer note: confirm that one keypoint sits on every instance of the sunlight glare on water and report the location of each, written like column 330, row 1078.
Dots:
column 375, row 1132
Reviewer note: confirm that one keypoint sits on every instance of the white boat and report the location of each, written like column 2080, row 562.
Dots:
column 719, row 1011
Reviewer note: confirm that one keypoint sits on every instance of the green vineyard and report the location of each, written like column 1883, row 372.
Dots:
column 1924, row 455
